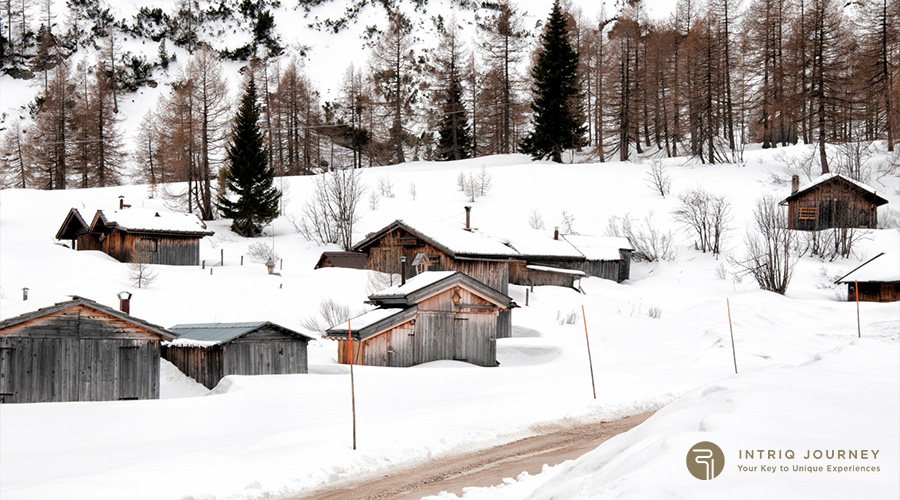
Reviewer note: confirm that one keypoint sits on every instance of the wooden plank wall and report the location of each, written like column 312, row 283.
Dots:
column 875, row 292
column 203, row 364
column 395, row 347
column 78, row 355
column 838, row 205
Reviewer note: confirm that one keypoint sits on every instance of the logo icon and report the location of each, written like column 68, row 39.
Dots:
column 705, row 460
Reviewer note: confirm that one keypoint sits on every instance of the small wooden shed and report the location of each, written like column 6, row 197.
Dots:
column 207, row 352
column 832, row 201
column 79, row 350
column 347, row 260
column 563, row 259
column 138, row 235
column 433, row 316
column 878, row 279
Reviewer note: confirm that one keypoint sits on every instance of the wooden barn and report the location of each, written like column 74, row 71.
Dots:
column 79, row 350
column 435, row 315
column 347, row 260
column 441, row 247
column 138, row 235
column 564, row 259
column 207, row 352
column 832, row 201
column 878, row 279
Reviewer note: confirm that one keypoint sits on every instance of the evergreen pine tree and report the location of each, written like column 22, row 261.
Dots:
column 455, row 137
column 558, row 123
column 248, row 174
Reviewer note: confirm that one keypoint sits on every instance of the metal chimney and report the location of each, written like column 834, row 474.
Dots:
column 795, row 184
column 125, row 302
column 402, row 270
column 555, row 233
column 468, row 218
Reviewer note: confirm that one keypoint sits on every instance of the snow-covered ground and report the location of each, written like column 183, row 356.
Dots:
column 806, row 381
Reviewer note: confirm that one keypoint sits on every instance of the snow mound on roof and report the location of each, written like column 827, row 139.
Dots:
column 414, row 284
column 599, row 247
column 153, row 220
column 882, row 268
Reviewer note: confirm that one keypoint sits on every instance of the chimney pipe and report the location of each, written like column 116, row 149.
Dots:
column 468, row 218
column 125, row 302
column 402, row 270
column 25, row 293
column 795, row 184
column 555, row 233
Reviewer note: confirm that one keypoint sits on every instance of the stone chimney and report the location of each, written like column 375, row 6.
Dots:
column 795, row 184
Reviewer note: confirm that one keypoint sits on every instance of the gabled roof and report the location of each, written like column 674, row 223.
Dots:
column 349, row 260
column 430, row 283
column 372, row 323
column 81, row 301
column 139, row 220
column 221, row 333
column 72, row 226
column 453, row 240
column 882, row 268
column 833, row 177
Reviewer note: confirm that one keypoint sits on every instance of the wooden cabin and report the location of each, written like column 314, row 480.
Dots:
column 564, row 259
column 207, row 352
column 348, row 260
column 878, row 279
column 79, row 350
column 433, row 316
column 138, row 235
column 832, row 201
column 439, row 247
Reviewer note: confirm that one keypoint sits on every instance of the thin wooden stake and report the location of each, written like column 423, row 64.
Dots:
column 352, row 386
column 590, row 361
column 731, row 329
column 858, row 327
column 222, row 257
column 526, row 297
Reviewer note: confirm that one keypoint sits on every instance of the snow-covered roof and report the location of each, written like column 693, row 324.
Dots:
column 140, row 220
column 452, row 238
column 883, row 268
column 414, row 284
column 599, row 247
column 558, row 270
column 828, row 177
column 206, row 334
column 542, row 244
column 365, row 320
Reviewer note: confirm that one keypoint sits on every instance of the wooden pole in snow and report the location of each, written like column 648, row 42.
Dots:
column 731, row 329
column 590, row 361
column 352, row 387
column 858, row 327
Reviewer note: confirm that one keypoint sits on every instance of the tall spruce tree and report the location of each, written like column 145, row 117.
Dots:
column 455, row 137
column 248, row 174
column 558, row 121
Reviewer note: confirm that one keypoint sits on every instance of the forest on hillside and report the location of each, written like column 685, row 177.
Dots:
column 704, row 82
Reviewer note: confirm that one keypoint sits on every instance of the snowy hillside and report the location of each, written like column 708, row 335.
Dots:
column 661, row 338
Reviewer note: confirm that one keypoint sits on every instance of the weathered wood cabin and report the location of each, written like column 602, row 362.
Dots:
column 207, row 352
column 435, row 315
column 138, row 235
column 878, row 279
column 564, row 259
column 347, row 260
column 79, row 350
column 439, row 247
column 832, row 201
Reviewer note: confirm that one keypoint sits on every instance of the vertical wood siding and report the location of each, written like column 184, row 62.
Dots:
column 836, row 205
column 77, row 355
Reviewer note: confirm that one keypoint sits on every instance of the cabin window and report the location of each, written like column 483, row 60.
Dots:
column 809, row 213
column 7, row 371
column 148, row 245
column 128, row 372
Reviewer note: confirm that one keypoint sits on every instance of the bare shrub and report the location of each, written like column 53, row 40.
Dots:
column 770, row 246
column 412, row 190
column 654, row 312
column 386, row 186
column 853, row 159
column 658, row 178
column 377, row 281
column 721, row 272
column 804, row 165
column 567, row 223
column 331, row 313
column 461, row 182
column 373, row 201
column 261, row 252
column 535, row 220
column 141, row 274
column 706, row 215
column 484, row 182
column 569, row 318
column 331, row 211
column 650, row 243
